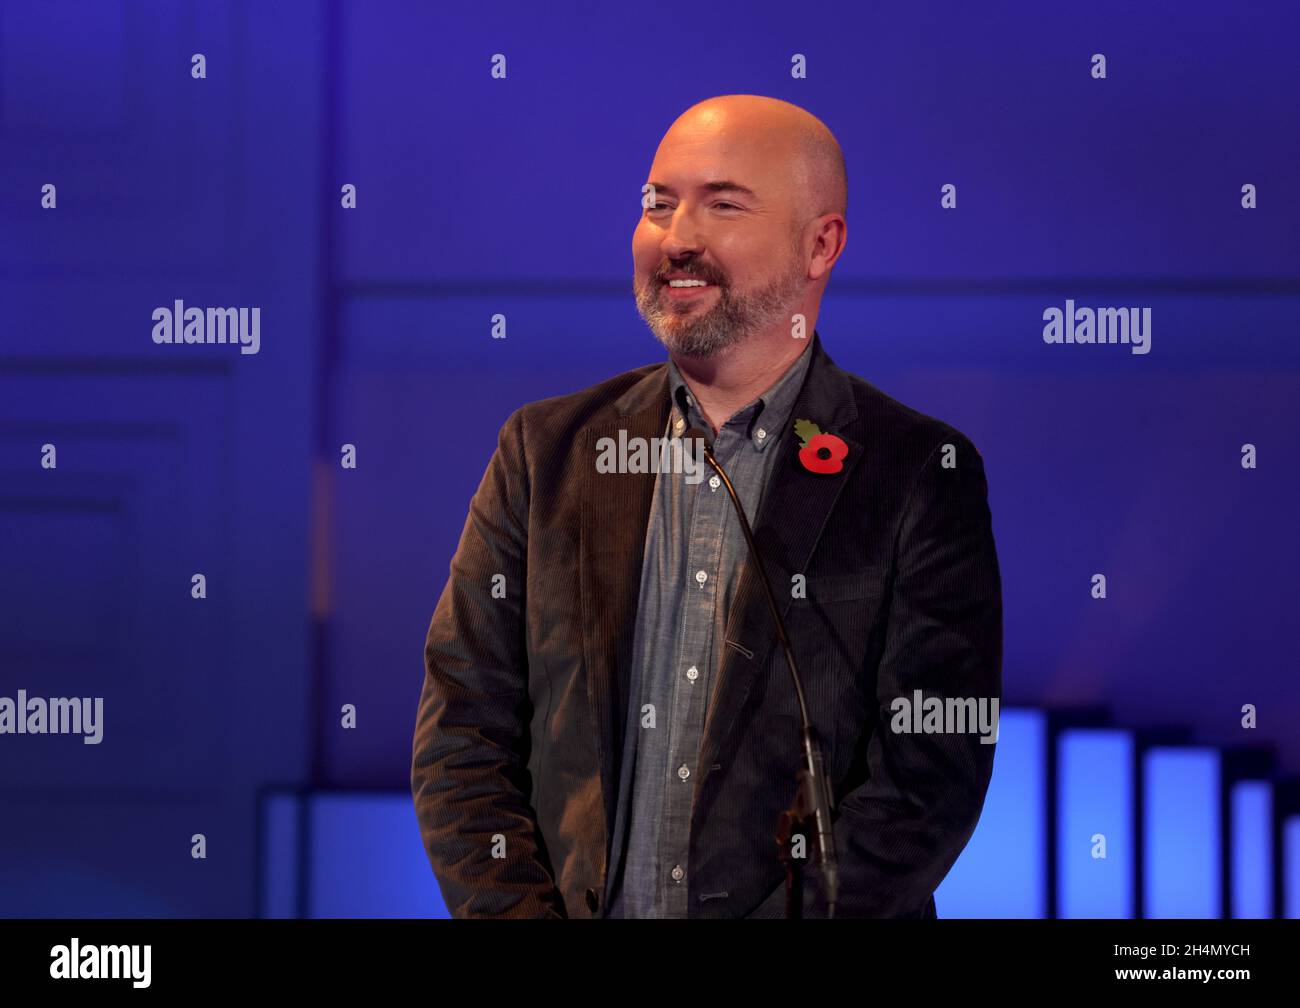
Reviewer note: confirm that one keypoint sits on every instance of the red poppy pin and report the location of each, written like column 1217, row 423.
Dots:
column 819, row 453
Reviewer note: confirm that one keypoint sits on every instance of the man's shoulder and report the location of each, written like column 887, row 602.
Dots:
column 885, row 416
column 556, row 415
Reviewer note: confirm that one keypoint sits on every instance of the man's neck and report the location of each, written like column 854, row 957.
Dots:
column 730, row 380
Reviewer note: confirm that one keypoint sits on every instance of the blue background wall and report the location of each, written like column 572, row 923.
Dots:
column 479, row 196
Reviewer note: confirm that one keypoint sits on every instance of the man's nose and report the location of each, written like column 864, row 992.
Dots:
column 683, row 237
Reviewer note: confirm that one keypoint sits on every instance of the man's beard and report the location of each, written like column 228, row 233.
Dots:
column 733, row 319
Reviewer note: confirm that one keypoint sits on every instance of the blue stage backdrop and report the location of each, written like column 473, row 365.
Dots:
column 181, row 538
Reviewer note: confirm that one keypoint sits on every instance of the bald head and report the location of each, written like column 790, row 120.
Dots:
column 801, row 146
column 746, row 219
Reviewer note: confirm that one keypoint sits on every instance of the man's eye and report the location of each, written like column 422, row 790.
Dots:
column 720, row 203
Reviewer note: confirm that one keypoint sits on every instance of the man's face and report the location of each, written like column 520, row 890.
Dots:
column 741, row 241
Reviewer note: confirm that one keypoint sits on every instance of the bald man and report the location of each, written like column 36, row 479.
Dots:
column 606, row 727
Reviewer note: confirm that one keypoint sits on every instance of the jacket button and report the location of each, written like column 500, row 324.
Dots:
column 593, row 901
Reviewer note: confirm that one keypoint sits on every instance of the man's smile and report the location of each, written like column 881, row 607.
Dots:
column 688, row 289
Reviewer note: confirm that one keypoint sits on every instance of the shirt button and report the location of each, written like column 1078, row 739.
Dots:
column 683, row 771
column 701, row 577
column 760, row 434
column 678, row 873
column 715, row 482
column 692, row 673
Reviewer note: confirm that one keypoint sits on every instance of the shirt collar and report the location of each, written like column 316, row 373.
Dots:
column 773, row 406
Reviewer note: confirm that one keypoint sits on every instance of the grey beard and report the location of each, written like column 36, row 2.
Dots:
column 734, row 319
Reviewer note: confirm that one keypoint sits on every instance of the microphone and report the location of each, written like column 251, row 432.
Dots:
column 815, row 788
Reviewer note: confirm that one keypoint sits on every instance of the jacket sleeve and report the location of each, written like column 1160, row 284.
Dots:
column 470, row 750
column 898, row 833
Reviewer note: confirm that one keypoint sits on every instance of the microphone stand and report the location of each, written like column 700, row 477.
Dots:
column 810, row 811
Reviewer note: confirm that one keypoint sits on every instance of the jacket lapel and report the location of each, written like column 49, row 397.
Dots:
column 615, row 513
column 788, row 526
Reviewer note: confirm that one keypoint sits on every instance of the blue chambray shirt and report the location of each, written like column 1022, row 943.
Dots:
column 694, row 554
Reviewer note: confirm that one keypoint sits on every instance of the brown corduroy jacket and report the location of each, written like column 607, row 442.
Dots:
column 519, row 731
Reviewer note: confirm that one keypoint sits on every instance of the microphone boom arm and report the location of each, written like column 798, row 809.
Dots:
column 814, row 797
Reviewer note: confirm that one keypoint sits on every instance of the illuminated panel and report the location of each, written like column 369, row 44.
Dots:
column 1291, row 867
column 1252, row 849
column 364, row 857
column 1182, row 838
column 367, row 859
column 280, row 855
column 1003, row 870
column 1094, row 792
